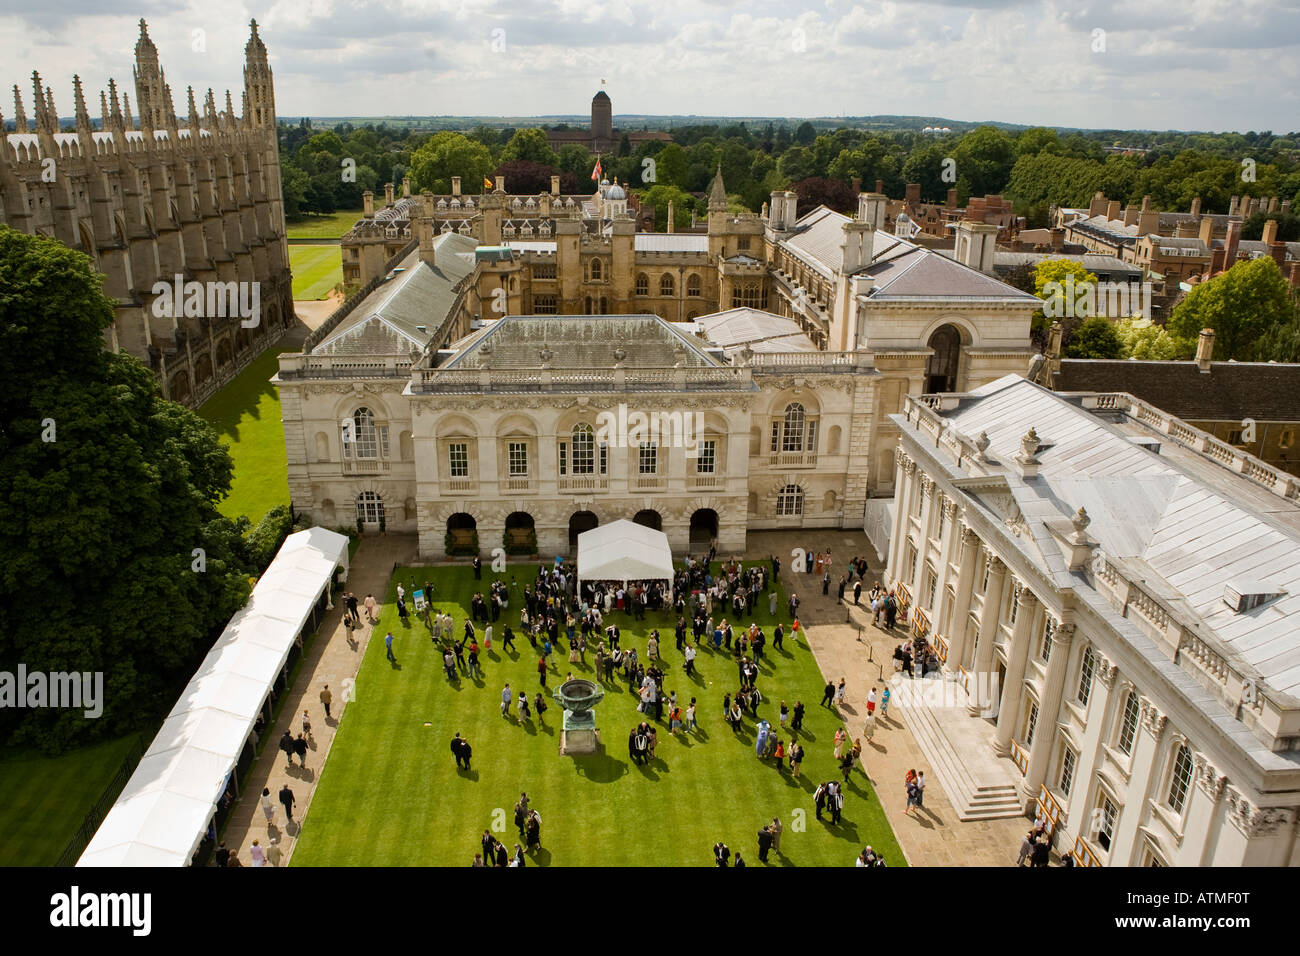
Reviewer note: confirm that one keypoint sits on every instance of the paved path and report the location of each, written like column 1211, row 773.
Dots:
column 330, row 657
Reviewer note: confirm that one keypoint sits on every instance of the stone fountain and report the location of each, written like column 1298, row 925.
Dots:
column 579, row 698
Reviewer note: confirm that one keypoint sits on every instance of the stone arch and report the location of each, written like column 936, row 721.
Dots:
column 223, row 352
column 202, row 369
column 322, row 446
column 941, row 368
column 830, row 502
column 704, row 526
column 579, row 522
column 405, row 446
column 180, row 389
column 833, row 437
column 649, row 518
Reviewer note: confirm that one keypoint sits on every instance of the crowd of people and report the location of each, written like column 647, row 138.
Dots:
column 529, row 824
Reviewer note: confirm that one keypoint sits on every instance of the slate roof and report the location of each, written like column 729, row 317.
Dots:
column 761, row 331
column 388, row 319
column 1230, row 391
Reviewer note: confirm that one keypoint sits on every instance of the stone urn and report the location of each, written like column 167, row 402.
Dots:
column 579, row 698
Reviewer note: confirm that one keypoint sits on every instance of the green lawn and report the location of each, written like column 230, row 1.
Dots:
column 43, row 800
column 390, row 794
column 246, row 415
column 316, row 270
column 332, row 226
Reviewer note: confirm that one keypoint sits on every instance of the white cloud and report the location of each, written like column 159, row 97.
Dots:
column 1216, row 64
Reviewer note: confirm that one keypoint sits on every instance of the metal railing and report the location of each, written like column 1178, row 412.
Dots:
column 81, row 839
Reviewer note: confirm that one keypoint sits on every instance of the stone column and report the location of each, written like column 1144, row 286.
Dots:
column 1013, row 691
column 902, row 520
column 922, row 538
column 970, row 549
column 1049, row 705
column 988, row 631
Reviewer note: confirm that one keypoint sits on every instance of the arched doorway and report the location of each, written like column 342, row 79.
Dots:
column 941, row 369
column 180, row 387
column 650, row 519
column 520, row 534
column 579, row 522
column 462, row 534
column 704, row 526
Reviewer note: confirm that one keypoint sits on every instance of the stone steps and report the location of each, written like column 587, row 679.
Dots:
column 976, row 784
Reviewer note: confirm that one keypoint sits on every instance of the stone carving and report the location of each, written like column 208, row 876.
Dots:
column 1080, row 521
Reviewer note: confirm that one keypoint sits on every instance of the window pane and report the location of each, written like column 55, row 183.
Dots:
column 518, row 458
column 707, row 458
column 1128, row 727
column 459, row 453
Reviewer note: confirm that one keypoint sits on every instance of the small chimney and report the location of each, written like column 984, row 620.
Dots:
column 1098, row 205
column 1113, row 210
column 368, row 204
column 880, row 185
column 1058, row 238
column 951, row 200
column 455, row 185
column 1148, row 221
column 1230, row 244
column 1196, row 207
column 912, row 193
column 671, row 212
column 1233, row 205
column 406, row 187
column 1284, row 207
column 1278, row 251
column 555, row 185
column 1272, row 204
column 388, row 194
column 1270, row 232
column 501, row 184
column 857, row 184
column 1205, row 349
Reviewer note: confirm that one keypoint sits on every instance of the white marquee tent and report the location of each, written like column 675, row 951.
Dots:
column 624, row 551
column 169, row 801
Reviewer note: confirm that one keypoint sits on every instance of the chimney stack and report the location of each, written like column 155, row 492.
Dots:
column 1284, row 207
column 1205, row 349
column 871, row 208
column 1230, row 244
column 455, row 185
column 501, row 184
column 1233, row 204
column 912, row 194
column 1058, row 239
column 857, row 184
column 1207, row 232
column 1270, row 232
column 671, row 213
column 368, row 204
column 426, row 229
column 555, row 185
column 880, row 185
column 976, row 243
column 951, row 200
column 1098, row 205
column 1196, row 207
column 1272, row 204
column 858, row 246
column 1130, row 215
column 388, row 194
column 1113, row 210
column 406, row 187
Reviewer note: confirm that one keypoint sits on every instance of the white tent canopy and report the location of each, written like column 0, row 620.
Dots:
column 624, row 551
column 167, row 804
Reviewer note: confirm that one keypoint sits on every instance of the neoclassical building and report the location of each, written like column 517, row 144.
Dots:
column 1116, row 594
column 452, row 393
column 155, row 196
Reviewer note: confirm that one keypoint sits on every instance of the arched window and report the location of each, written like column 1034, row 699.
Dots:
column 789, row 501
column 370, row 507
column 793, row 432
column 1129, row 723
column 584, row 449
column 1180, row 780
column 666, row 284
column 360, row 440
column 595, row 270
column 642, row 284
column 693, row 285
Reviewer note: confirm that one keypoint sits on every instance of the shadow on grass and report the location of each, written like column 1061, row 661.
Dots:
column 599, row 768
column 467, row 774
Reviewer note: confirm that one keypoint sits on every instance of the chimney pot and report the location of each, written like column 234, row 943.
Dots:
column 1205, row 349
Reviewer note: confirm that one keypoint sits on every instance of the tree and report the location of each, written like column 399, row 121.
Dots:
column 1241, row 305
column 624, row 146
column 531, row 145
column 1063, row 284
column 820, row 191
column 805, row 134
column 577, row 160
column 106, row 490
column 671, row 166
column 658, row 196
column 523, row 176
column 1145, row 340
column 1288, row 226
column 984, row 160
column 448, row 154
column 1095, row 339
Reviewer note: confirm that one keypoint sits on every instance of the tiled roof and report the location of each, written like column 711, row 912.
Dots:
column 1230, row 391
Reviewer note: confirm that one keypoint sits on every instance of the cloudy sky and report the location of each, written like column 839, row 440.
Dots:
column 1183, row 64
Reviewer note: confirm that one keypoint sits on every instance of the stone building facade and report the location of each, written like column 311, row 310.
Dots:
column 155, row 196
column 1114, row 593
column 794, row 339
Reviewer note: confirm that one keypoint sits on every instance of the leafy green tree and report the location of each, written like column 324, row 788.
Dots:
column 659, row 196
column 926, row 166
column 796, row 164
column 1063, row 284
column 805, row 134
column 1288, row 226
column 984, row 160
column 1241, row 305
column 106, row 490
column 1096, row 338
column 1143, row 339
column 1281, row 343
column 448, row 154
column 577, row 160
column 530, row 144
column 671, row 166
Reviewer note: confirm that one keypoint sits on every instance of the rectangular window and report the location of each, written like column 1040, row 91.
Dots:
column 564, row 458
column 742, row 243
column 517, row 456
column 1181, row 781
column 707, row 459
column 931, row 581
column 1067, row 771
column 1106, row 822
column 1031, row 725
column 544, row 305
column 459, row 454
column 1014, row 609
column 942, row 524
column 776, row 436
column 1086, row 670
column 648, row 459
column 1045, row 649
column 911, row 565
column 382, row 432
column 1129, row 723
column 984, row 574
column 811, row 445
column 604, row 458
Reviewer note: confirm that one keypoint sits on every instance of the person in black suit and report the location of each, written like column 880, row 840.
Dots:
column 764, row 844
column 721, row 854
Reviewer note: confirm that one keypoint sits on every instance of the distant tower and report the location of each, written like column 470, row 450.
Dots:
column 259, row 110
column 602, row 121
